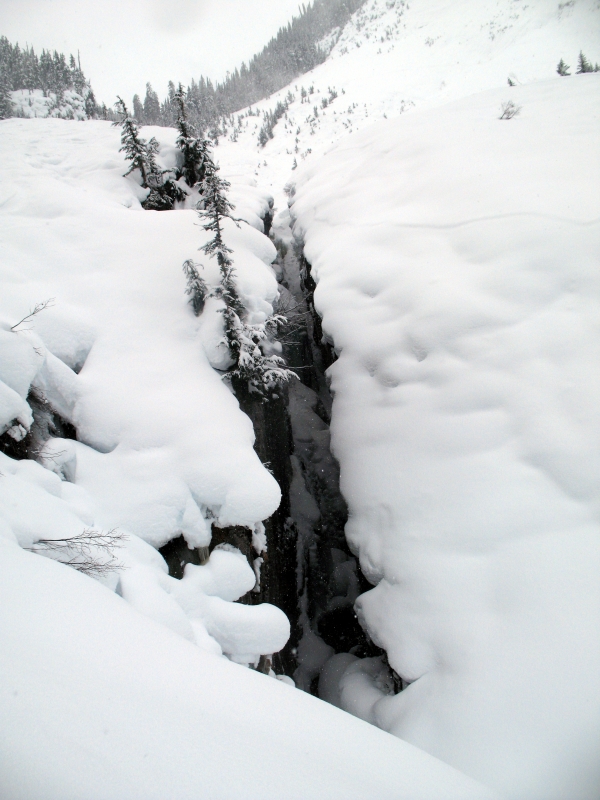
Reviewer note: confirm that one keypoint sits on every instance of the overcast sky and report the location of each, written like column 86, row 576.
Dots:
column 124, row 43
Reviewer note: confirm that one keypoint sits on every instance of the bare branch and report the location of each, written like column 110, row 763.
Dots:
column 90, row 552
column 39, row 307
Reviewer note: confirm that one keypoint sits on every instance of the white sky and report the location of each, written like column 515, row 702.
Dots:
column 124, row 43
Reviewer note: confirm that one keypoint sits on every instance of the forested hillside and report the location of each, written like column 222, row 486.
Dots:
column 296, row 49
column 51, row 74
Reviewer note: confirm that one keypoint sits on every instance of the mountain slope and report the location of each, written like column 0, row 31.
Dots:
column 396, row 56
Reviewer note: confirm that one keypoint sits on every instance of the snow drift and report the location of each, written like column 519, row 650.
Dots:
column 456, row 257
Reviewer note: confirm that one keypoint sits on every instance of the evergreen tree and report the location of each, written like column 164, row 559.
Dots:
column 138, row 109
column 90, row 105
column 163, row 192
column 151, row 107
column 583, row 65
column 195, row 149
column 22, row 69
column 134, row 147
column 252, row 368
column 293, row 51
column 563, row 68
column 196, row 286
column 6, row 106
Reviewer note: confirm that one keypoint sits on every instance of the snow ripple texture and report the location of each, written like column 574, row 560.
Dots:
column 456, row 257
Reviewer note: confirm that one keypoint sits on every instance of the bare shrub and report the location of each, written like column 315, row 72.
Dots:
column 509, row 110
column 90, row 552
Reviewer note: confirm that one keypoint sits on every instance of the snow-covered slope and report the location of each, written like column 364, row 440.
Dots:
column 98, row 702
column 456, row 257
column 396, row 56
column 456, row 260
column 69, row 105
column 162, row 448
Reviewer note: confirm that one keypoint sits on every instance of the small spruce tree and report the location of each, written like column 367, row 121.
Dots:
column 583, row 65
column 563, row 68
column 91, row 107
column 163, row 193
column 134, row 147
column 253, row 368
column 196, row 286
column 195, row 150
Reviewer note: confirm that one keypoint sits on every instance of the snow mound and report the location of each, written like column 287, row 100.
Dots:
column 456, row 256
column 162, row 444
column 68, row 105
column 98, row 702
column 97, row 338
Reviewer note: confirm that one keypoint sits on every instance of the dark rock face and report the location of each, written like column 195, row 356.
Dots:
column 340, row 629
column 47, row 424
column 177, row 554
column 274, row 446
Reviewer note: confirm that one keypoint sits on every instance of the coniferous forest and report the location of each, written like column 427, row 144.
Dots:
column 51, row 73
column 295, row 50
column 292, row 52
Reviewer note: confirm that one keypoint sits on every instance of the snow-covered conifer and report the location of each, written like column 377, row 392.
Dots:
column 138, row 109
column 142, row 154
column 151, row 107
column 248, row 344
column 563, row 68
column 91, row 107
column 196, row 286
column 6, row 106
column 134, row 147
column 195, row 149
column 583, row 65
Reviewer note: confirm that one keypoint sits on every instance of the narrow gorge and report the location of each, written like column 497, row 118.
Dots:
column 306, row 567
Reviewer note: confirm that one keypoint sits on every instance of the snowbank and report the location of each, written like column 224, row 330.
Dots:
column 69, row 105
column 456, row 257
column 98, row 702
column 162, row 447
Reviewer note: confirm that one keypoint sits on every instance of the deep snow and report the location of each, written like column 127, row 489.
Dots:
column 456, row 257
column 98, row 700
column 456, row 260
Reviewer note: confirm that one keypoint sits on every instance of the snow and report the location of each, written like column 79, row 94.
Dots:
column 100, row 702
column 456, row 261
column 162, row 448
column 118, row 687
column 456, row 257
column 69, row 105
column 170, row 443
column 432, row 53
